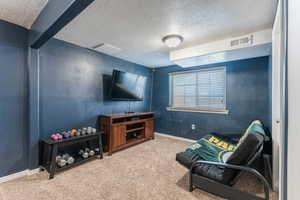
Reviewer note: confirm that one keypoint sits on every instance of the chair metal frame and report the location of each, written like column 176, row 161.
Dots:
column 227, row 191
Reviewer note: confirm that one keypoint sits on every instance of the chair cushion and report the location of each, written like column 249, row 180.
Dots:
column 246, row 149
column 187, row 158
column 211, row 172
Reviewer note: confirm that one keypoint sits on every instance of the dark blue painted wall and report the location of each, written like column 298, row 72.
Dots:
column 247, row 100
column 13, row 99
column 70, row 83
column 73, row 86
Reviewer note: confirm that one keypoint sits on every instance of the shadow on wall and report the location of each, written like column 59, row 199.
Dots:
column 107, row 79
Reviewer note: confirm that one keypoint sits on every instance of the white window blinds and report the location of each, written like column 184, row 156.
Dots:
column 202, row 89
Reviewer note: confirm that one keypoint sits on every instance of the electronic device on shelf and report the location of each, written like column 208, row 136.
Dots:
column 129, row 112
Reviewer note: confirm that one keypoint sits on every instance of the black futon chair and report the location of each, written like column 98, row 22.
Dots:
column 218, row 177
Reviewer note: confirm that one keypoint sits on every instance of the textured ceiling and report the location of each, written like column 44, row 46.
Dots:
column 21, row 12
column 137, row 26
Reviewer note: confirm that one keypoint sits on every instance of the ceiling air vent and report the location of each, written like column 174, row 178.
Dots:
column 107, row 48
column 234, row 43
column 241, row 42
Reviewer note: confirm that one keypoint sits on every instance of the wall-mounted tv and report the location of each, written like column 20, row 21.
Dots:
column 127, row 86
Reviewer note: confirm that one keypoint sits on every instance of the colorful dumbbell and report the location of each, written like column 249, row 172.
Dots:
column 59, row 136
column 65, row 134
column 56, row 136
column 78, row 132
column 72, row 132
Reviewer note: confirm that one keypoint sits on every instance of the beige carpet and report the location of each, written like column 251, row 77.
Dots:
column 145, row 171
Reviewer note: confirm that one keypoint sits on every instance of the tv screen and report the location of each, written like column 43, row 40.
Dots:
column 127, row 86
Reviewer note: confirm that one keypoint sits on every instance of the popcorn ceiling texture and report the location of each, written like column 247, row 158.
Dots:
column 21, row 12
column 145, row 171
column 137, row 26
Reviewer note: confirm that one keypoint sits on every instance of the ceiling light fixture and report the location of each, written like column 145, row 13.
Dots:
column 172, row 41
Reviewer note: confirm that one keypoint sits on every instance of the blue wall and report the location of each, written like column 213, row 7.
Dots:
column 247, row 100
column 72, row 90
column 73, row 86
column 13, row 99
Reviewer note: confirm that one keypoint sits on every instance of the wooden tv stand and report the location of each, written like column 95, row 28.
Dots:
column 125, row 130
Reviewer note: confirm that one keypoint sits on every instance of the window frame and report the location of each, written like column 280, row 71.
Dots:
column 195, row 109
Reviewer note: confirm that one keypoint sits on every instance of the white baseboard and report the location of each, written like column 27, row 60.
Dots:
column 33, row 171
column 14, row 176
column 175, row 137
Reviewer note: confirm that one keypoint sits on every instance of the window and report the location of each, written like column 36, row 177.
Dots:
column 199, row 90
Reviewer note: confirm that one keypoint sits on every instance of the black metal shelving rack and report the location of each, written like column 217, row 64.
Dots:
column 50, row 150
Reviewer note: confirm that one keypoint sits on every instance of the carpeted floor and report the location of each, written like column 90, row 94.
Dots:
column 145, row 171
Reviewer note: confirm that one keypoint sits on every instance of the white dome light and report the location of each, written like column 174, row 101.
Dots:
column 172, row 41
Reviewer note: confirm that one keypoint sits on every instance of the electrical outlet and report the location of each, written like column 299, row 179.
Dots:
column 193, row 126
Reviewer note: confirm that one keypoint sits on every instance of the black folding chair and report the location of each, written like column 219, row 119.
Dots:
column 218, row 178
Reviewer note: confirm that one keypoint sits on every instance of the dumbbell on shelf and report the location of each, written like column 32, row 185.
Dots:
column 68, row 158
column 88, row 130
column 87, row 153
column 91, row 153
column 73, row 133
column 84, row 131
column 91, row 130
column 66, row 134
column 83, row 154
column 60, row 161
column 78, row 132
column 64, row 160
column 56, row 136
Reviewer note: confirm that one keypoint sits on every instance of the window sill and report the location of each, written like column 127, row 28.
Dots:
column 224, row 112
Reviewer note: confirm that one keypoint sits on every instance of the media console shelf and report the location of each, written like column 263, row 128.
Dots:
column 125, row 130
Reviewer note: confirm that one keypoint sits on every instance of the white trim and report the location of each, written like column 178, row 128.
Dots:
column 33, row 171
column 223, row 112
column 198, row 70
column 13, row 176
column 17, row 175
column 174, row 137
column 278, row 59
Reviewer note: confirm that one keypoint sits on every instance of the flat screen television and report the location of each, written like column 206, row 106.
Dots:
column 127, row 86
